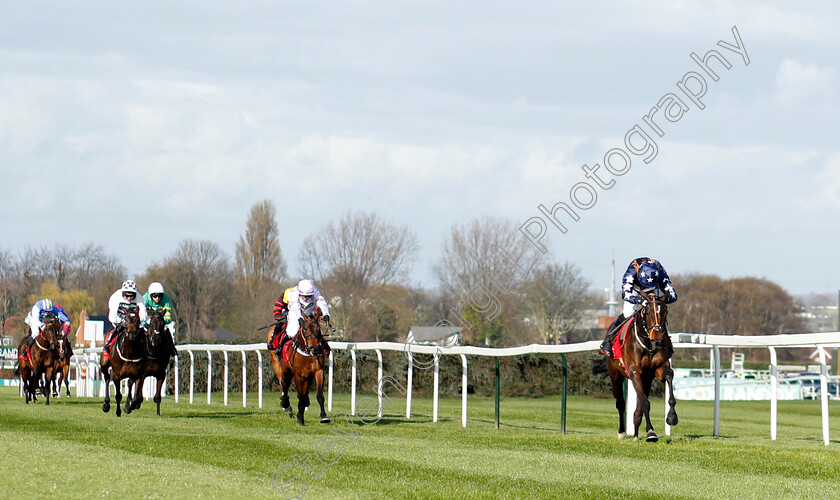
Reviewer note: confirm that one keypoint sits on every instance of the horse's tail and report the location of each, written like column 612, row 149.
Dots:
column 599, row 365
column 17, row 370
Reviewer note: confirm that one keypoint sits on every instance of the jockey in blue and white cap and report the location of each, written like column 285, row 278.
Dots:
column 35, row 318
column 647, row 275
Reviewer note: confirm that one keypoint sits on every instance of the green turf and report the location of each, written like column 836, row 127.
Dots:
column 71, row 449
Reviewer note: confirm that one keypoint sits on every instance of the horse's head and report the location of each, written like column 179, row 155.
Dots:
column 131, row 313
column 312, row 333
column 155, row 327
column 50, row 333
column 655, row 316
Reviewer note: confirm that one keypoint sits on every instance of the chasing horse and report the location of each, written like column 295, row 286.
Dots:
column 38, row 359
column 641, row 351
column 303, row 358
column 158, row 362
column 61, row 371
column 124, row 358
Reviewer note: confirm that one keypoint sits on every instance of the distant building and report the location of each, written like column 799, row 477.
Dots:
column 434, row 335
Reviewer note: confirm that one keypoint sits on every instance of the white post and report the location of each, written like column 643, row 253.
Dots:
column 774, row 393
column 192, row 375
column 435, row 390
column 177, row 380
column 381, row 412
column 260, row 376
column 209, row 374
column 353, row 383
column 330, row 381
column 244, row 380
column 632, row 402
column 824, row 393
column 464, row 391
column 408, row 386
column 717, row 390
column 667, row 406
column 226, row 376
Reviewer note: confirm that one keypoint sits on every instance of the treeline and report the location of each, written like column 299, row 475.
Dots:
column 360, row 262
column 489, row 278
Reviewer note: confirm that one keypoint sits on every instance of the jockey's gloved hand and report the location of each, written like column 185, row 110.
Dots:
column 300, row 322
column 327, row 317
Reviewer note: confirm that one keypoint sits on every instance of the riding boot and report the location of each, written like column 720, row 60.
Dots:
column 606, row 345
column 278, row 353
column 172, row 350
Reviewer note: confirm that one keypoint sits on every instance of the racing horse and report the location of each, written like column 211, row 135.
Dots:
column 157, row 364
column 61, row 371
column 306, row 364
column 41, row 358
column 645, row 355
column 126, row 361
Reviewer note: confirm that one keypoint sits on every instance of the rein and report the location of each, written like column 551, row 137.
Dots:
column 119, row 352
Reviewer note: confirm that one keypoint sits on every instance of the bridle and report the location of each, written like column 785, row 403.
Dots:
column 306, row 349
column 50, row 323
column 659, row 323
column 131, row 329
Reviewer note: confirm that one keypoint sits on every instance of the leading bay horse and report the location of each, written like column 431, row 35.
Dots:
column 41, row 358
column 306, row 364
column 645, row 355
column 126, row 361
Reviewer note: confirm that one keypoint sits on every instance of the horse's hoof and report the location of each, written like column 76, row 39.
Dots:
column 622, row 435
column 635, row 438
column 652, row 437
column 300, row 423
column 325, row 420
column 672, row 420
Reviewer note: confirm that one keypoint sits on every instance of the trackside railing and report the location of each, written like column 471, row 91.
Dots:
column 89, row 359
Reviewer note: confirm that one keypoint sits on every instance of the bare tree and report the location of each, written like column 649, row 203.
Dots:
column 10, row 288
column 487, row 258
column 485, row 252
column 557, row 296
column 199, row 278
column 360, row 251
column 354, row 258
column 259, row 260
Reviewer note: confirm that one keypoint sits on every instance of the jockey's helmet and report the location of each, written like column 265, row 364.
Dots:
column 306, row 291
column 47, row 305
column 129, row 289
column 649, row 274
column 155, row 288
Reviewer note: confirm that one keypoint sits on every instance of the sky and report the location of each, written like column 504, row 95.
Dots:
column 140, row 125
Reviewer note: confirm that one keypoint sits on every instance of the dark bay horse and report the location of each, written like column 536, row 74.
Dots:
column 41, row 360
column 645, row 355
column 61, row 371
column 306, row 364
column 157, row 364
column 126, row 361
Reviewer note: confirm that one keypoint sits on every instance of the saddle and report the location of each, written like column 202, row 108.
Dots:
column 619, row 341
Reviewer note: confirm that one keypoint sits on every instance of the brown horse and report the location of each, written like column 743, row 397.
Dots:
column 61, row 371
column 41, row 359
column 127, row 359
column 157, row 364
column 645, row 355
column 306, row 364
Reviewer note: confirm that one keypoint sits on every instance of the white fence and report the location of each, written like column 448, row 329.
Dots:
column 89, row 359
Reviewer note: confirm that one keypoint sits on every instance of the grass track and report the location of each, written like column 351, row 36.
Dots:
column 73, row 449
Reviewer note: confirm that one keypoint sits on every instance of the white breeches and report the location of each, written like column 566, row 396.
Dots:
column 630, row 309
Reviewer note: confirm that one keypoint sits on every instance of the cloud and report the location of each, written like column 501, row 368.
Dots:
column 799, row 84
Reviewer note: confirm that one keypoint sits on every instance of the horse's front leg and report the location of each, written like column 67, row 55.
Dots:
column 319, row 381
column 642, row 402
column 66, row 381
column 118, row 394
column 157, row 393
column 647, row 380
column 106, row 379
column 618, row 393
column 666, row 375
column 285, row 383
column 302, row 387
column 47, row 377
